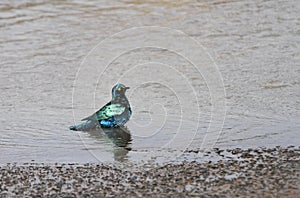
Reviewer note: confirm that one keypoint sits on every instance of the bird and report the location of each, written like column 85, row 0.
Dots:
column 114, row 114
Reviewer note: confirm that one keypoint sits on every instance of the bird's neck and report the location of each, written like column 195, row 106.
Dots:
column 120, row 98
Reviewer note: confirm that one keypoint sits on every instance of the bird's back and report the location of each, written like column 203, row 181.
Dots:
column 114, row 114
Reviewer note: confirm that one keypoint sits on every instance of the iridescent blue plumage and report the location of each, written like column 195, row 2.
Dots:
column 114, row 114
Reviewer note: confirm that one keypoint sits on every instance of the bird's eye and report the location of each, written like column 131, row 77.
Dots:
column 119, row 89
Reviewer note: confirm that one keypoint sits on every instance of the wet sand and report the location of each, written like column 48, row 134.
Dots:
column 259, row 172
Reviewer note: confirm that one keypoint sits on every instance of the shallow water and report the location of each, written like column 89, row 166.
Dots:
column 255, row 46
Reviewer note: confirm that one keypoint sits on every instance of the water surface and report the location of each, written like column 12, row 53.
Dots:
column 42, row 44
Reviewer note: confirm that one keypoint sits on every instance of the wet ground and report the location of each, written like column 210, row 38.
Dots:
column 255, row 45
column 273, row 172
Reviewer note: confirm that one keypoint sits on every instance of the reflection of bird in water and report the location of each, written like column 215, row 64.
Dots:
column 114, row 114
column 119, row 136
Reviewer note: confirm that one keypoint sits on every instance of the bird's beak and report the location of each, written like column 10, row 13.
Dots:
column 127, row 88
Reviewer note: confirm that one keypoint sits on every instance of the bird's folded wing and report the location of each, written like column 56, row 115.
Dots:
column 106, row 112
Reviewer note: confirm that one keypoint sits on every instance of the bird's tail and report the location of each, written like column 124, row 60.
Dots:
column 74, row 128
column 85, row 126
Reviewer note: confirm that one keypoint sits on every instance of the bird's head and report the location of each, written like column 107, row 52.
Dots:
column 119, row 90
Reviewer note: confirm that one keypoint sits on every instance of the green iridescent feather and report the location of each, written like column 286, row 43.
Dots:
column 106, row 112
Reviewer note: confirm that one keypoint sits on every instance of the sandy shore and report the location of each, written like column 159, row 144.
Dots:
column 253, row 173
